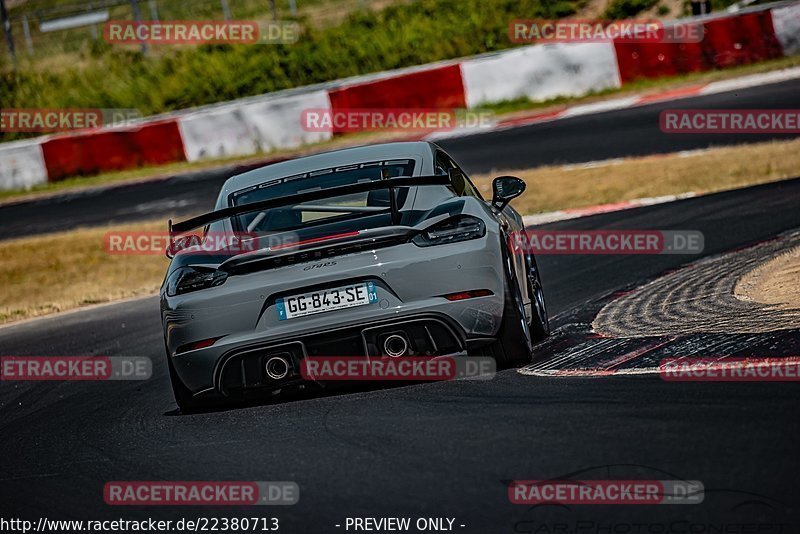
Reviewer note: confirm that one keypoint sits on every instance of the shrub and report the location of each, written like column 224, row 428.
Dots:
column 366, row 41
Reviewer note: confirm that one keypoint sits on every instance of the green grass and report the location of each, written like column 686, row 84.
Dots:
column 625, row 9
column 57, row 46
column 400, row 35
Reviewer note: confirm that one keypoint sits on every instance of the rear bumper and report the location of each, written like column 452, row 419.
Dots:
column 232, row 366
column 242, row 315
column 242, row 370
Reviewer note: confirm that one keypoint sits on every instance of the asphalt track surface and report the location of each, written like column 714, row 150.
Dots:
column 432, row 450
column 613, row 134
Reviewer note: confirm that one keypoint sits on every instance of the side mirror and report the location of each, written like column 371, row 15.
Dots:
column 182, row 243
column 505, row 189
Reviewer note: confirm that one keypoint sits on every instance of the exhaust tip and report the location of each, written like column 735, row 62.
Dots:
column 277, row 367
column 395, row 345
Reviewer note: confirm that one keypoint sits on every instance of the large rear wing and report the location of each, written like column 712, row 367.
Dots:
column 308, row 196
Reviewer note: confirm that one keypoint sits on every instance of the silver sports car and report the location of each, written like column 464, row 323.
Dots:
column 384, row 250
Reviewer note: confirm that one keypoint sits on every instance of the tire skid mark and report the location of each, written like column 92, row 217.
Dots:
column 700, row 299
column 643, row 356
column 690, row 312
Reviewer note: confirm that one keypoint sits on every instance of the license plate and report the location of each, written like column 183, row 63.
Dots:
column 326, row 300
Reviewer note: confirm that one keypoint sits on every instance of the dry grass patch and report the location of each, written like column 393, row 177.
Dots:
column 55, row 272
column 553, row 188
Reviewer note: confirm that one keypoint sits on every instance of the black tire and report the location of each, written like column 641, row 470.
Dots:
column 513, row 345
column 540, row 323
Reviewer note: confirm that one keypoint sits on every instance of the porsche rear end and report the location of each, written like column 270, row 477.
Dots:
column 242, row 324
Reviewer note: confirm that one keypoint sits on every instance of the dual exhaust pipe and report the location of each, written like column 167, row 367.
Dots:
column 278, row 367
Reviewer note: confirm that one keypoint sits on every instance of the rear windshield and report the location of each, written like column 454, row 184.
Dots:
column 367, row 205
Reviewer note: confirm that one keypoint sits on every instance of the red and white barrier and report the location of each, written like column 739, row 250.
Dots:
column 22, row 165
column 540, row 72
column 537, row 72
column 102, row 150
column 276, row 122
column 728, row 41
column 251, row 126
column 786, row 22
column 218, row 133
column 437, row 87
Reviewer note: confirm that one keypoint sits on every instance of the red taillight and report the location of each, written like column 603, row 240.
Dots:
column 197, row 345
column 469, row 294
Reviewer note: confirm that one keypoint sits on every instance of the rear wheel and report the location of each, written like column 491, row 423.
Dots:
column 513, row 345
column 540, row 324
